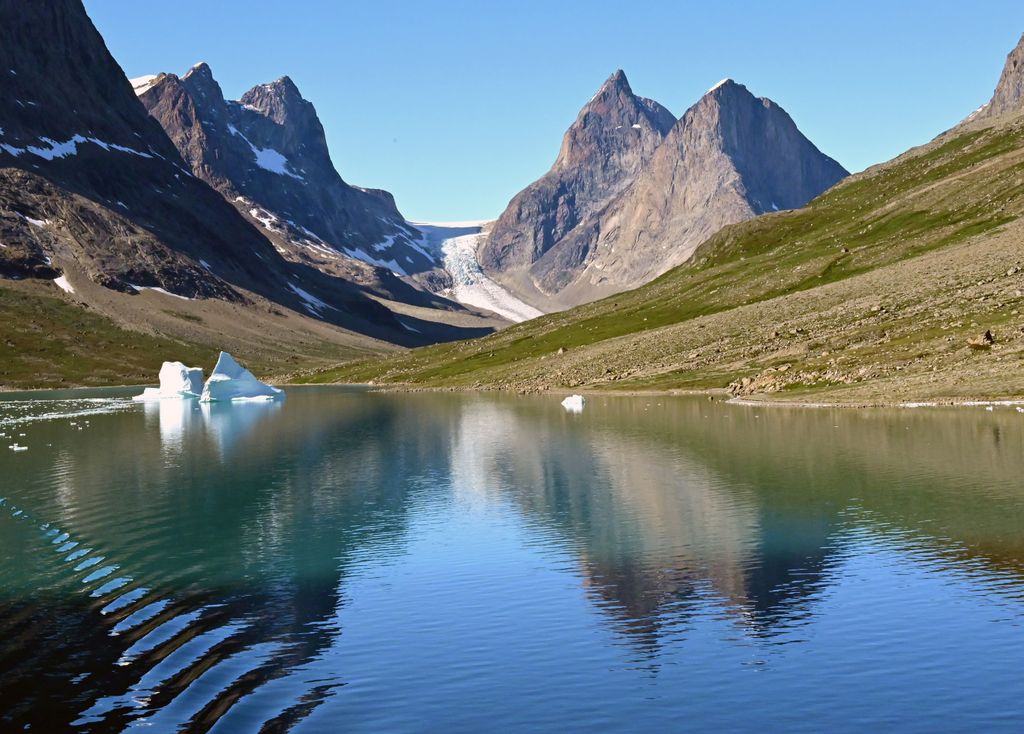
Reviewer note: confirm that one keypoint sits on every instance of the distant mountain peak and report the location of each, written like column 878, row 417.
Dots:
column 614, row 135
column 730, row 90
column 201, row 85
column 614, row 86
column 723, row 83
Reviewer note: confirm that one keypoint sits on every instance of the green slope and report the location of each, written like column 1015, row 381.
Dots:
column 46, row 342
column 838, row 293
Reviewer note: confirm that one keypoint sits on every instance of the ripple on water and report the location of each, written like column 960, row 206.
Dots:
column 362, row 562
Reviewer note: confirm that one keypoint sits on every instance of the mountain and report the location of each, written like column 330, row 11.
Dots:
column 267, row 154
column 901, row 283
column 89, row 181
column 730, row 157
column 613, row 138
column 1008, row 97
column 100, row 212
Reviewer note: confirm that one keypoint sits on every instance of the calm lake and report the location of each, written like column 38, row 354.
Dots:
column 353, row 561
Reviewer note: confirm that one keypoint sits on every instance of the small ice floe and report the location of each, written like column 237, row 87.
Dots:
column 176, row 382
column 231, row 381
column 574, row 403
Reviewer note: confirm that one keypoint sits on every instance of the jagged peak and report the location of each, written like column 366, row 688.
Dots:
column 618, row 77
column 617, row 83
column 283, row 87
column 200, row 82
column 728, row 87
column 200, row 69
column 722, row 83
column 729, row 93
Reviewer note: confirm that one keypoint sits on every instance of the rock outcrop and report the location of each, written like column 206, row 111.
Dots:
column 1008, row 97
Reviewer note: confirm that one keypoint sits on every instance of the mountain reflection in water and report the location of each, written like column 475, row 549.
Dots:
column 345, row 560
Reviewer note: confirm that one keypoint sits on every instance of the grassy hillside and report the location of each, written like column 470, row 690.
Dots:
column 871, row 293
column 48, row 341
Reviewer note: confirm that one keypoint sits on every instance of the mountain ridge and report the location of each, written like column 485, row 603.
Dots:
column 729, row 157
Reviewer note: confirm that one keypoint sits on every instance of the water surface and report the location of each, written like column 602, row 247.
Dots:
column 351, row 561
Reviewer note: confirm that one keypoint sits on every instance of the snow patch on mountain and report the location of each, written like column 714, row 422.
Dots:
column 156, row 289
column 313, row 304
column 52, row 149
column 267, row 158
column 142, row 83
column 63, row 284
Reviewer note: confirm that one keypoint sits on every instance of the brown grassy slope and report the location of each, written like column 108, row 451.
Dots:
column 869, row 294
column 49, row 338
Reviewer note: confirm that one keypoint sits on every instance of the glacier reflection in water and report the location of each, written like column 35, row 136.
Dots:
column 355, row 561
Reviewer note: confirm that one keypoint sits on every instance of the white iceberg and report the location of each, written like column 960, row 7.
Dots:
column 574, row 403
column 231, row 381
column 176, row 381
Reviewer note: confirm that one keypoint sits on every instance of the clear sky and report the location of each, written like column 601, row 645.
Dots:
column 455, row 105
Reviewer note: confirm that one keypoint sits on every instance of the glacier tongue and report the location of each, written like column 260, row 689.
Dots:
column 231, row 381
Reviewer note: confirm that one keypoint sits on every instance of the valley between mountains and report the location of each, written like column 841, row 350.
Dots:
column 154, row 218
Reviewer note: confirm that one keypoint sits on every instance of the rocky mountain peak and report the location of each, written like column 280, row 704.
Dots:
column 614, row 121
column 1008, row 97
column 730, row 93
column 723, row 87
column 731, row 156
column 281, row 101
column 612, row 138
column 617, row 83
column 205, row 91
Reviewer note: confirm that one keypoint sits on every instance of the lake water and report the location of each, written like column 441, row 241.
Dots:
column 351, row 561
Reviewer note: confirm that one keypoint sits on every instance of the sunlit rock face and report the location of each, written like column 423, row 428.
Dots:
column 634, row 192
column 1008, row 97
column 267, row 154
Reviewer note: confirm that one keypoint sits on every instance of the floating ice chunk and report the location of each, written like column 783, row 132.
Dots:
column 176, row 381
column 231, row 381
column 574, row 403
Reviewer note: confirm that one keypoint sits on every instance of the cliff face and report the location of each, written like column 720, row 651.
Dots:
column 612, row 139
column 730, row 157
column 267, row 154
column 633, row 193
column 1008, row 97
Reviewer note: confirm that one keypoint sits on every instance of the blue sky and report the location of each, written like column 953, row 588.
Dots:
column 454, row 106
